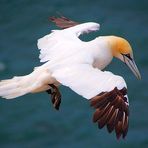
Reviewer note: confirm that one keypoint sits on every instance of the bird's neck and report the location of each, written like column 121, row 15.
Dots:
column 102, row 53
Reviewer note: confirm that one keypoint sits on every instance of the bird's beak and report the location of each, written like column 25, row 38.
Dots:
column 132, row 65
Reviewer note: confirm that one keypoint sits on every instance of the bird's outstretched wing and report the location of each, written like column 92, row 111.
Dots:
column 63, row 22
column 106, row 92
column 75, row 27
column 63, row 41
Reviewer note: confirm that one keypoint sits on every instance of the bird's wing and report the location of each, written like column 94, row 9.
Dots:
column 77, row 28
column 107, row 94
column 58, row 44
column 63, row 22
column 62, row 41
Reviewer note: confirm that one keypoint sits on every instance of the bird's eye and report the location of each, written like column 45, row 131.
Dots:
column 128, row 56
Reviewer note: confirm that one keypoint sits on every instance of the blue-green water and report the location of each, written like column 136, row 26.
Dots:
column 30, row 121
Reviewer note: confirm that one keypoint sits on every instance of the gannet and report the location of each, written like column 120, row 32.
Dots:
column 69, row 61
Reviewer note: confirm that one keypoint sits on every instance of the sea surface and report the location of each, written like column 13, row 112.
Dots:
column 31, row 121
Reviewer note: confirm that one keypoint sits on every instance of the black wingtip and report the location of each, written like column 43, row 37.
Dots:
column 62, row 21
column 111, row 110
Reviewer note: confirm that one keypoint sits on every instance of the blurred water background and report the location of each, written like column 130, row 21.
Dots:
column 31, row 121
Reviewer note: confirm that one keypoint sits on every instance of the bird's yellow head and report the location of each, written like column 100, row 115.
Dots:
column 122, row 50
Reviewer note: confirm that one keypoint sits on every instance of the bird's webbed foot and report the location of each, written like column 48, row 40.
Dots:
column 55, row 96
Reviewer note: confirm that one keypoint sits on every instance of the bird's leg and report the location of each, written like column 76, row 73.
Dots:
column 55, row 96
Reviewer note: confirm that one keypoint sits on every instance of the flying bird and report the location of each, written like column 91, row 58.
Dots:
column 69, row 61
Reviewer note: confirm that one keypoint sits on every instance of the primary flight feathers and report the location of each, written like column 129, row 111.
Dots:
column 78, row 64
column 63, row 22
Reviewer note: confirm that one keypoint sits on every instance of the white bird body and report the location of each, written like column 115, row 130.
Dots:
column 77, row 64
column 76, row 52
column 63, row 53
column 61, row 49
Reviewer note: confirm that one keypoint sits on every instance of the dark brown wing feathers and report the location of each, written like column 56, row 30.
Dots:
column 112, row 111
column 63, row 22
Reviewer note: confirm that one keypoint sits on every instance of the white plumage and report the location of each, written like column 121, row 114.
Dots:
column 69, row 61
column 62, row 43
column 85, row 80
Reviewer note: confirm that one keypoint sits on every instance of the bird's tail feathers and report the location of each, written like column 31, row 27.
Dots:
column 15, row 87
column 37, row 81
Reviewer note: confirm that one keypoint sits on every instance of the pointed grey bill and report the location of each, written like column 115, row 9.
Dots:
column 133, row 67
